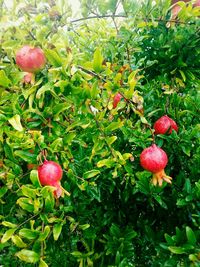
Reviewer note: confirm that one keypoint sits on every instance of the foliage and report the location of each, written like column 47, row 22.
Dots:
column 113, row 216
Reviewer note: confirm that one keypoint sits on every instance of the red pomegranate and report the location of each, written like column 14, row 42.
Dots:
column 164, row 125
column 116, row 99
column 30, row 59
column 154, row 159
column 50, row 173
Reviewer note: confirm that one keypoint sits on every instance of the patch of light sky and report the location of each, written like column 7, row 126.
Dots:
column 75, row 5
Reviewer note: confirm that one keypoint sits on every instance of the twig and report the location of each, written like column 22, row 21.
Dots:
column 32, row 217
column 125, row 16
column 91, row 73
column 98, row 17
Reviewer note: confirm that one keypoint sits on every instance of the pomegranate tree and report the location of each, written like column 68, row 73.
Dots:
column 164, row 125
column 154, row 159
column 116, row 99
column 30, row 59
column 50, row 173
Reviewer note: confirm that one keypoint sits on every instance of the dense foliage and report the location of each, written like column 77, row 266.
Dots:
column 109, row 214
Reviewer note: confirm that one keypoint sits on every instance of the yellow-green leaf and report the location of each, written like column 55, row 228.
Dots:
column 90, row 174
column 7, row 235
column 9, row 224
column 18, row 241
column 28, row 256
column 16, row 123
column 42, row 263
column 4, row 81
column 114, row 126
column 97, row 60
column 57, row 228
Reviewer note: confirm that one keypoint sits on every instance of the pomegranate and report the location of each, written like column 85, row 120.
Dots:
column 30, row 59
column 154, row 159
column 50, row 173
column 116, row 99
column 28, row 78
column 164, row 125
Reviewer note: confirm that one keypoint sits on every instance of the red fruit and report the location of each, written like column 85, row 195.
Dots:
column 165, row 124
column 197, row 3
column 30, row 59
column 116, row 99
column 50, row 173
column 28, row 78
column 154, row 159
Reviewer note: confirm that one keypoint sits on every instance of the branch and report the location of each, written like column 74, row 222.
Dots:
column 91, row 73
column 125, row 16
column 98, row 17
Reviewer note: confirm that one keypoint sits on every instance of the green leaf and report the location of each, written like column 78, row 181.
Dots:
column 176, row 250
column 9, row 224
column 106, row 162
column 97, row 60
column 7, row 235
column 57, row 228
column 28, row 192
column 26, row 204
column 28, row 234
column 18, row 241
column 84, row 226
column 3, row 191
column 53, row 57
column 42, row 263
column 4, row 81
column 160, row 201
column 25, row 155
column 113, row 126
column 186, row 150
column 44, row 234
column 190, row 236
column 16, row 123
column 90, row 174
column 111, row 140
column 28, row 256
column 34, row 178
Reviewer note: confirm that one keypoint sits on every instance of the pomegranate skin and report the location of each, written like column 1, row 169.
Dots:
column 30, row 59
column 153, row 159
column 165, row 124
column 116, row 99
column 50, row 173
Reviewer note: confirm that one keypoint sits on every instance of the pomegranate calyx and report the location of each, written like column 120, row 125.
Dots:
column 159, row 177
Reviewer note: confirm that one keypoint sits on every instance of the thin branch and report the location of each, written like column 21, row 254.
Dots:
column 98, row 17
column 125, row 16
column 91, row 73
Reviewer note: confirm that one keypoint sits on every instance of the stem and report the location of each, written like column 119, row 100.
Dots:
column 32, row 217
column 125, row 16
column 91, row 73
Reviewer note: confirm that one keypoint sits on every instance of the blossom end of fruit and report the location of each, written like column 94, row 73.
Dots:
column 159, row 177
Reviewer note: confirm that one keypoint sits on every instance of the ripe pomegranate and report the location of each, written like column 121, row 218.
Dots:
column 50, row 173
column 165, row 124
column 116, row 99
column 30, row 59
column 154, row 159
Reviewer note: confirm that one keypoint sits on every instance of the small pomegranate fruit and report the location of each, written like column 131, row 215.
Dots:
column 28, row 78
column 154, row 159
column 116, row 99
column 164, row 125
column 50, row 173
column 30, row 59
